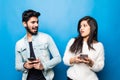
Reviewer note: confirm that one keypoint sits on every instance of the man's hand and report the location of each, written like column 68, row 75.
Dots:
column 28, row 65
column 38, row 65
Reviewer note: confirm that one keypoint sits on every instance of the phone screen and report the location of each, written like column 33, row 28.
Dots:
column 83, row 56
column 31, row 59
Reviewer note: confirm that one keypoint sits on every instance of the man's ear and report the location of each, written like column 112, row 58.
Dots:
column 24, row 24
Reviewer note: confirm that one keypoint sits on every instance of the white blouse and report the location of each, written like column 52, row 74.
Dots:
column 82, row 71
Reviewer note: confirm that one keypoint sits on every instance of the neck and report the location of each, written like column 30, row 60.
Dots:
column 85, row 39
column 29, row 37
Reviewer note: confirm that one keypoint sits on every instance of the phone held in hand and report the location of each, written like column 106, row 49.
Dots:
column 31, row 59
column 83, row 56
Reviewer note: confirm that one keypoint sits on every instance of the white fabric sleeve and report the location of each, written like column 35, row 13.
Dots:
column 99, row 62
column 68, row 54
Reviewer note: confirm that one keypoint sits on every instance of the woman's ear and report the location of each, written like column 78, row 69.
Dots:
column 24, row 24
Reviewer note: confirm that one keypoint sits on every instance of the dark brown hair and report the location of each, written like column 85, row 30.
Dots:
column 78, row 43
column 27, row 14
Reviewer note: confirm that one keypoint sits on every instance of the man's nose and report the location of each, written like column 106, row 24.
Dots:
column 36, row 24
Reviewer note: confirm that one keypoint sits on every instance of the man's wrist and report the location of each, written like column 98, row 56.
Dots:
column 24, row 65
column 41, row 67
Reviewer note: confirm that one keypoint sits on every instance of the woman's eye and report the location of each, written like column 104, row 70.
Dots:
column 85, row 25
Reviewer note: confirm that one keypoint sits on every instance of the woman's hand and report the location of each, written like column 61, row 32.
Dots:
column 77, row 59
column 90, row 62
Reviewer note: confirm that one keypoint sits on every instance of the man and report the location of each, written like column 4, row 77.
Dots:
column 34, row 49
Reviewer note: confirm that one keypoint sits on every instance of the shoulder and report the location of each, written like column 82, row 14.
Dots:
column 20, row 40
column 41, row 34
column 71, row 41
column 43, row 37
column 98, row 45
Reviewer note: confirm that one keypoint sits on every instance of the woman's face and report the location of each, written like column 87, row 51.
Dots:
column 84, row 29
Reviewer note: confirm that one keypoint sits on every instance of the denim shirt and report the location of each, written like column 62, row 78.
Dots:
column 43, row 46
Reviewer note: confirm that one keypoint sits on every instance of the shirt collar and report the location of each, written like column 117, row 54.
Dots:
column 33, row 37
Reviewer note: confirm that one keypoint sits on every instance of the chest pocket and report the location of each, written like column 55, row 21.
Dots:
column 23, row 54
column 41, row 46
column 41, row 49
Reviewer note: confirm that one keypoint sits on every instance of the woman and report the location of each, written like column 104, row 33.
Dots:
column 84, row 54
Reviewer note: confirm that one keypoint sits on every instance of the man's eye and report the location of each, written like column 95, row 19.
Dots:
column 37, row 21
column 33, row 22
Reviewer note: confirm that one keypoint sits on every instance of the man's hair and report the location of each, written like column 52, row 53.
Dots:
column 27, row 14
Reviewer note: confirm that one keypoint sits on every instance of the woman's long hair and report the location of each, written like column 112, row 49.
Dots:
column 78, row 43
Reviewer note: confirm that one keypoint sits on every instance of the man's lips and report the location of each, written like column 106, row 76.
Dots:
column 35, row 29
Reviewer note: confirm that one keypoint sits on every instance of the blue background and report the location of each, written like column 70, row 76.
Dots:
column 59, row 18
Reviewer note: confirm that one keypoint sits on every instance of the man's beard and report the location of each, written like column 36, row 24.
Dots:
column 32, row 33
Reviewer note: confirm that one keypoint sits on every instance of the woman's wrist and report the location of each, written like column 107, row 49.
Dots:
column 72, row 60
column 91, row 63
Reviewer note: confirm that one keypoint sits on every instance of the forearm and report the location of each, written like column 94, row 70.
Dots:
column 19, row 66
column 72, row 60
column 51, row 63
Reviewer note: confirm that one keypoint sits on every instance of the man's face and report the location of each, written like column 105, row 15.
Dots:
column 32, row 25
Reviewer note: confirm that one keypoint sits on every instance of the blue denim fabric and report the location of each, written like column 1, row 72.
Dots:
column 43, row 46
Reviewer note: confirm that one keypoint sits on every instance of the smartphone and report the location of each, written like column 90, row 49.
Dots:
column 31, row 59
column 83, row 56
